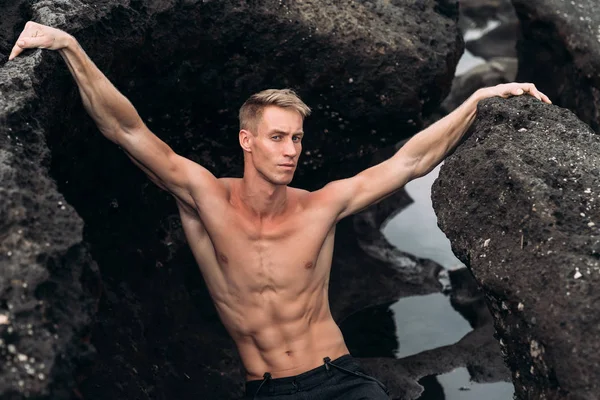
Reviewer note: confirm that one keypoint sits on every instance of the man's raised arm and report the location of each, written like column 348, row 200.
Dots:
column 417, row 157
column 115, row 116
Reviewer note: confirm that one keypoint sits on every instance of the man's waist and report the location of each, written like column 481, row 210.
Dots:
column 306, row 379
column 292, row 362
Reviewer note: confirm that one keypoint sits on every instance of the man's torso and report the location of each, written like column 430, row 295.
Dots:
column 269, row 279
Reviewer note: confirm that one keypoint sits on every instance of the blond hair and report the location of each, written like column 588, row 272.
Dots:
column 251, row 110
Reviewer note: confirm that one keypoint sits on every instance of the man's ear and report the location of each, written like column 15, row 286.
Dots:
column 246, row 138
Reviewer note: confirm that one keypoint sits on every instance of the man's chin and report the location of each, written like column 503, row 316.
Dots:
column 283, row 180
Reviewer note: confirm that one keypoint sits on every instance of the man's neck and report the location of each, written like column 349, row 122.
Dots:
column 262, row 198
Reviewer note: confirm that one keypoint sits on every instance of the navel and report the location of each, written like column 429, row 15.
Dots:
column 309, row 265
column 223, row 258
column 289, row 353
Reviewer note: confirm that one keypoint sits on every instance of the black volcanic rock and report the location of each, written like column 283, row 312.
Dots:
column 520, row 202
column 362, row 66
column 559, row 50
column 370, row 70
column 49, row 284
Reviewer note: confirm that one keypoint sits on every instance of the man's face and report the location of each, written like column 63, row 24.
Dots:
column 277, row 144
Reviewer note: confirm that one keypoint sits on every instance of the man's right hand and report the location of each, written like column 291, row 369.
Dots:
column 38, row 36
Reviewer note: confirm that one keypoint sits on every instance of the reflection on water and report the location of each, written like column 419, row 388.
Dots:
column 456, row 385
column 468, row 61
column 371, row 332
column 415, row 229
column 409, row 326
column 474, row 34
column 427, row 322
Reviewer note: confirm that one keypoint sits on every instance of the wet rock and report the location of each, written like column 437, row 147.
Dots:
column 516, row 200
column 559, row 51
column 499, row 42
column 187, row 66
column 477, row 351
column 432, row 388
column 371, row 333
column 467, row 298
column 477, row 13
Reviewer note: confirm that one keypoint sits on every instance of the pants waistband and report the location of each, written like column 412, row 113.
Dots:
column 304, row 381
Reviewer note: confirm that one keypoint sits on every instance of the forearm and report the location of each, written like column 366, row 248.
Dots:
column 430, row 146
column 111, row 111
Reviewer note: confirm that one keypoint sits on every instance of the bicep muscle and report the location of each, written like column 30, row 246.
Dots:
column 372, row 185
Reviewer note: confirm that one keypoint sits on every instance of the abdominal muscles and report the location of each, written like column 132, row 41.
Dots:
column 270, row 287
column 282, row 333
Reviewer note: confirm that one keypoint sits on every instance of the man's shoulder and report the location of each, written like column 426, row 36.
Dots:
column 297, row 191
column 310, row 199
column 228, row 181
column 217, row 188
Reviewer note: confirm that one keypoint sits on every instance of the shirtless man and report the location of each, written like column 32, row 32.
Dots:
column 265, row 249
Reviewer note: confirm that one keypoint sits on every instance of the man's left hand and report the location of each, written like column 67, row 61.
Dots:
column 513, row 89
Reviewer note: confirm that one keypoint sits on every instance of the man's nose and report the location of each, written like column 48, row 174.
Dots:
column 289, row 149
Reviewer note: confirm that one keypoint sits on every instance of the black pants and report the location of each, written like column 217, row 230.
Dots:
column 340, row 379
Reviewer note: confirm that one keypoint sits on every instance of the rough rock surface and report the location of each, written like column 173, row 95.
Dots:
column 48, row 282
column 559, row 50
column 520, row 202
column 363, row 66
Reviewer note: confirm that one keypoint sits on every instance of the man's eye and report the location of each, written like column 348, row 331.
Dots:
column 297, row 138
column 276, row 137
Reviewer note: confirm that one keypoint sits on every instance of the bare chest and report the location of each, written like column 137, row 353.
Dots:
column 286, row 254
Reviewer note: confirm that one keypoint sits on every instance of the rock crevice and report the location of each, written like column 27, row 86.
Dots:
column 559, row 50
